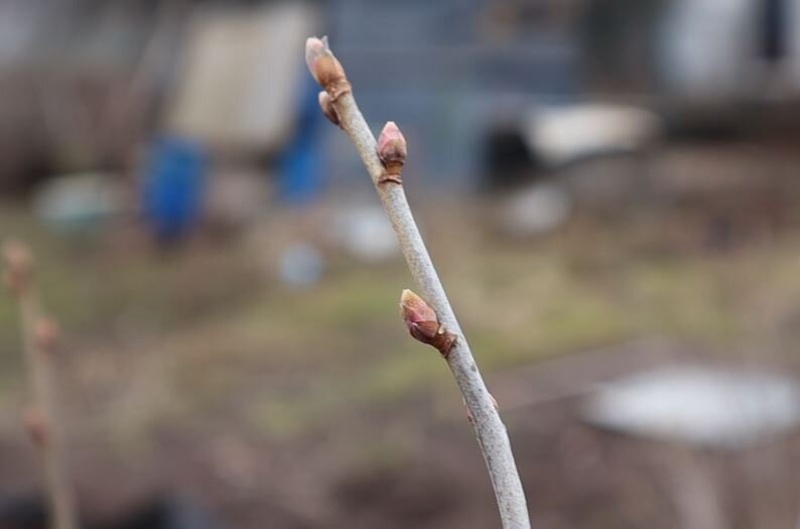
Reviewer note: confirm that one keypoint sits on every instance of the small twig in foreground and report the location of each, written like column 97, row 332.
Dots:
column 384, row 161
column 40, row 338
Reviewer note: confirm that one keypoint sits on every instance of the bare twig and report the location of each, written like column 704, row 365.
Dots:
column 40, row 338
column 384, row 160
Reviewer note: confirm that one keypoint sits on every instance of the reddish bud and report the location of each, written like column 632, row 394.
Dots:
column 423, row 324
column 316, row 49
column 326, row 104
column 17, row 255
column 325, row 68
column 36, row 426
column 47, row 334
column 392, row 149
column 415, row 309
column 19, row 266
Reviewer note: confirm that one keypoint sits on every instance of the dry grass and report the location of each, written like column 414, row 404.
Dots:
column 285, row 360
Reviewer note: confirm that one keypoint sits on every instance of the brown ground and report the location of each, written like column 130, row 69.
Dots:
column 194, row 374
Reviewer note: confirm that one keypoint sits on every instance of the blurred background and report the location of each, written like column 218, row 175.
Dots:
column 609, row 189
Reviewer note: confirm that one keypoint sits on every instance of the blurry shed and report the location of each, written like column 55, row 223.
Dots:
column 238, row 88
column 452, row 74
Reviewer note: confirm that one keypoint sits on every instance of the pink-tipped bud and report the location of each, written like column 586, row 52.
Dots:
column 414, row 309
column 326, row 104
column 325, row 68
column 47, row 334
column 316, row 48
column 423, row 324
column 36, row 426
column 392, row 148
column 19, row 266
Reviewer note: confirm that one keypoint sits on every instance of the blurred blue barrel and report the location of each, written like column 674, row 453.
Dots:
column 173, row 187
column 301, row 178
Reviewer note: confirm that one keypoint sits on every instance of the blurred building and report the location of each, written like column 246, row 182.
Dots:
column 84, row 80
column 454, row 73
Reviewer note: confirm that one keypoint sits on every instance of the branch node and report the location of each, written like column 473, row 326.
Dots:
column 387, row 177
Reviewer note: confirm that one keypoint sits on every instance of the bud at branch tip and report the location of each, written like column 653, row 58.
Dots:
column 325, row 68
column 315, row 48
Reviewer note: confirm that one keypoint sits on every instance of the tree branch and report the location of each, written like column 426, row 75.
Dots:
column 382, row 164
column 39, row 340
